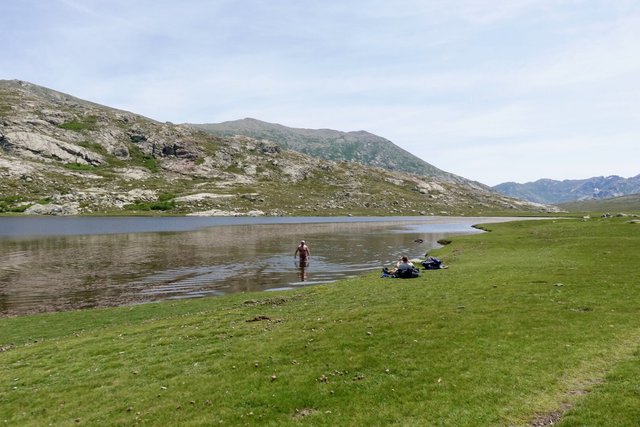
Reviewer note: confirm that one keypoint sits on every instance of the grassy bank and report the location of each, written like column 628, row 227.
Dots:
column 535, row 321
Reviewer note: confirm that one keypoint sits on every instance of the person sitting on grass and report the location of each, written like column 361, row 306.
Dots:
column 404, row 269
column 403, row 266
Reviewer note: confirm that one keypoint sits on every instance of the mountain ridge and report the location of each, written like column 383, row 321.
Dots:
column 61, row 155
column 329, row 144
column 551, row 191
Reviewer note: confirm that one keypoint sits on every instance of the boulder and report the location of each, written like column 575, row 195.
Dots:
column 39, row 145
column 53, row 209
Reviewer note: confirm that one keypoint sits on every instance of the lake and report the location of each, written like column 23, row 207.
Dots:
column 63, row 263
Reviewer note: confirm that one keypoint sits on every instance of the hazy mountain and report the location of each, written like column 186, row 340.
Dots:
column 63, row 155
column 549, row 191
column 360, row 146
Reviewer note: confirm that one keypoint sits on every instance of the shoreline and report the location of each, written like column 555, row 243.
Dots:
column 43, row 226
column 96, row 289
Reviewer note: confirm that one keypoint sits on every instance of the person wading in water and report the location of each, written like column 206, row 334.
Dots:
column 303, row 252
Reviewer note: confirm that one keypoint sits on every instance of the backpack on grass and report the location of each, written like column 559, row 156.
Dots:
column 432, row 263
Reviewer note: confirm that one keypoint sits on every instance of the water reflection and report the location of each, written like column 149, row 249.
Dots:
column 302, row 266
column 77, row 271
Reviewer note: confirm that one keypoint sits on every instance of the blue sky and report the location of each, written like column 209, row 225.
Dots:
column 491, row 90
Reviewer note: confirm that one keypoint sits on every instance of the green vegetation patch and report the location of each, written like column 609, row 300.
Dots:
column 151, row 206
column 165, row 197
column 234, row 168
column 93, row 146
column 4, row 110
column 536, row 320
column 78, row 167
column 139, row 158
column 12, row 204
column 7, row 99
column 164, row 203
column 83, row 124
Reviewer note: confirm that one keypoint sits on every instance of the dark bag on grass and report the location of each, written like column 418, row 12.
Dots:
column 432, row 263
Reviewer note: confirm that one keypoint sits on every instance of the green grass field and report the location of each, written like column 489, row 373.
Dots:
column 533, row 323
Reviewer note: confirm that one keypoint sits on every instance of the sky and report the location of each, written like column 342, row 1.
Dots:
column 491, row 90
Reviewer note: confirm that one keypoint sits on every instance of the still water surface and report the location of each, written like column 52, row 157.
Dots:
column 49, row 264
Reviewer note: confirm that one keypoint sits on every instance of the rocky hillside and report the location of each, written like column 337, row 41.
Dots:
column 361, row 146
column 549, row 191
column 64, row 155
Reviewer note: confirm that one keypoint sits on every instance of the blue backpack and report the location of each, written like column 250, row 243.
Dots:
column 432, row 263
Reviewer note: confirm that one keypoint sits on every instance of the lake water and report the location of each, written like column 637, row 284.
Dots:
column 61, row 263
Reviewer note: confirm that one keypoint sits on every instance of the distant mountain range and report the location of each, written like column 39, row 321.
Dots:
column 360, row 146
column 549, row 191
